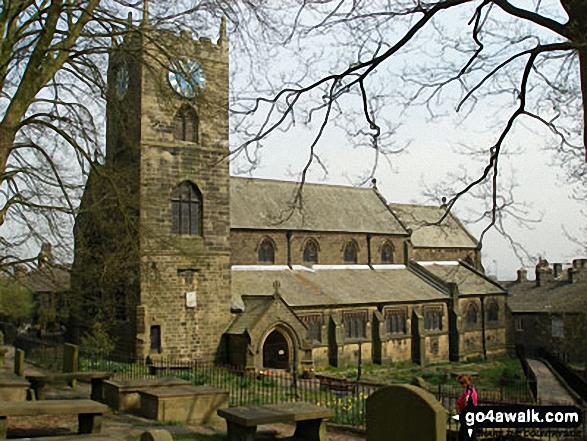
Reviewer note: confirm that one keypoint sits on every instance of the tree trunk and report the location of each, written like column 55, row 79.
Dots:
column 583, row 80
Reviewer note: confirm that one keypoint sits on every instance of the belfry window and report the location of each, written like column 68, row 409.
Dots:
column 350, row 252
column 266, row 251
column 386, row 253
column 186, row 124
column 186, row 209
column 310, row 254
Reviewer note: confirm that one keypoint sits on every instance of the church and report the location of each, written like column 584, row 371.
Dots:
column 181, row 260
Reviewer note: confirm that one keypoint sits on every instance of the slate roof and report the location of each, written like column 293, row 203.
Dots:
column 550, row 297
column 469, row 280
column 324, row 285
column 450, row 234
column 266, row 204
column 255, row 307
column 50, row 278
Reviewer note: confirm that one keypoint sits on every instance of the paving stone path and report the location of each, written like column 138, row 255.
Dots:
column 550, row 390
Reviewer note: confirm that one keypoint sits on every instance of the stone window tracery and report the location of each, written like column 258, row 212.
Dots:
column 314, row 324
column 266, row 251
column 387, row 253
column 472, row 314
column 355, row 324
column 186, row 209
column 350, row 252
column 395, row 321
column 310, row 253
column 493, row 312
column 433, row 319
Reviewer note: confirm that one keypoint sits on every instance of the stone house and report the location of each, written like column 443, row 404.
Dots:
column 182, row 260
column 550, row 312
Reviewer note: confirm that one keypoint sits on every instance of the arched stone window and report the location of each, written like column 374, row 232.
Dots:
column 186, row 124
column 387, row 252
column 350, row 252
column 310, row 253
column 186, row 209
column 266, row 251
column 472, row 314
column 493, row 312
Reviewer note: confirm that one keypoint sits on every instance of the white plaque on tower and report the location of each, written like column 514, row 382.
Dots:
column 190, row 299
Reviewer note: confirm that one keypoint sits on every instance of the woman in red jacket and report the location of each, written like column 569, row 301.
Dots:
column 469, row 392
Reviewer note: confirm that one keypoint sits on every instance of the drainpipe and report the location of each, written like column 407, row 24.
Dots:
column 483, row 327
column 288, row 237
column 369, row 251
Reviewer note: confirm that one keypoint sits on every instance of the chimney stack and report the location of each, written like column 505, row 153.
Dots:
column 557, row 270
column 571, row 272
column 45, row 256
column 579, row 264
column 522, row 275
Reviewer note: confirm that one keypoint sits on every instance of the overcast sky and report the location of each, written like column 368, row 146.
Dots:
column 540, row 189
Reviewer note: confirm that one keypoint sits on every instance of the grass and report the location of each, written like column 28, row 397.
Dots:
column 491, row 373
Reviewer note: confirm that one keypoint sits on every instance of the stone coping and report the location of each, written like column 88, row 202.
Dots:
column 136, row 385
column 274, row 413
column 8, row 379
column 183, row 391
column 51, row 407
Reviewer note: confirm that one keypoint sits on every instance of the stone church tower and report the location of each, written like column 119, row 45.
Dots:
column 152, row 253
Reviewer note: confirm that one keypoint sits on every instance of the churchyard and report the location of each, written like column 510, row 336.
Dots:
column 501, row 374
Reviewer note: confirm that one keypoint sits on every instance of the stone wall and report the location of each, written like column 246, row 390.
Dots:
column 244, row 245
column 174, row 265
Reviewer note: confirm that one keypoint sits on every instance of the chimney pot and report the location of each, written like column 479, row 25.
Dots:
column 522, row 275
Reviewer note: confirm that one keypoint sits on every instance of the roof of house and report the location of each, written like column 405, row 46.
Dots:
column 267, row 204
column 552, row 296
column 469, row 280
column 49, row 278
column 421, row 218
column 334, row 285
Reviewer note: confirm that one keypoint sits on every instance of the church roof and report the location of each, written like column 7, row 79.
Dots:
column 469, row 280
column 449, row 234
column 332, row 285
column 267, row 204
column 255, row 308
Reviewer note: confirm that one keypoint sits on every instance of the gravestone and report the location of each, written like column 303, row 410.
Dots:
column 405, row 413
column 3, row 351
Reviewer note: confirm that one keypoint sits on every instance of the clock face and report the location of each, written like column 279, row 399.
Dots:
column 121, row 81
column 186, row 77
